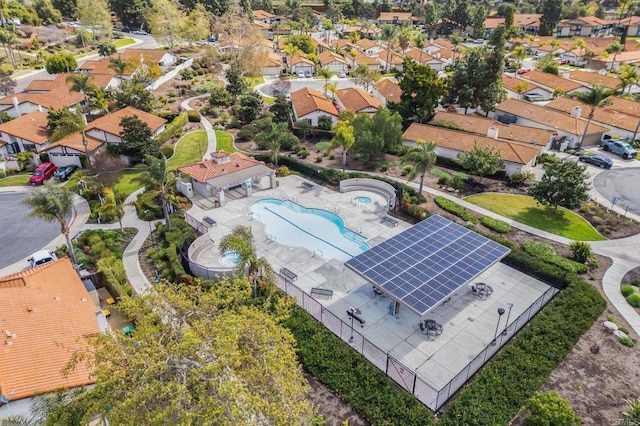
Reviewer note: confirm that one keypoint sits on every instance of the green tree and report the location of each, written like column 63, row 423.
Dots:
column 614, row 48
column 326, row 74
column 61, row 62
column 66, row 123
column 420, row 41
column 131, row 12
column 344, row 137
column 95, row 14
column 236, row 84
column 548, row 408
column 196, row 357
column 81, row 83
column 196, row 24
column 250, row 265
column 477, row 21
column 133, row 93
column 137, row 140
column 7, row 84
column 106, row 48
column 166, row 22
column 597, row 97
column 565, row 183
column 281, row 110
column 250, row 106
column 24, row 159
column 46, row 12
column 53, row 204
column 289, row 50
column 112, row 206
column 551, row 13
column 220, row 97
column 509, row 11
column 375, row 134
column 66, row 7
column 304, row 42
column 547, row 64
column 421, row 92
column 388, row 35
column 628, row 76
column 119, row 65
column 481, row 161
column 422, row 157
column 159, row 183
column 8, row 39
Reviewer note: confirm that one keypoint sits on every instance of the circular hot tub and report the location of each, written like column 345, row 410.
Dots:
column 230, row 258
column 362, row 200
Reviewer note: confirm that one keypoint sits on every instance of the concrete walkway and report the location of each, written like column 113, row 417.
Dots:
column 211, row 134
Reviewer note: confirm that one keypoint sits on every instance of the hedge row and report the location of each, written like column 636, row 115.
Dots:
column 503, row 386
column 547, row 253
column 456, row 209
column 507, row 243
column 172, row 128
column 497, row 225
column 367, row 389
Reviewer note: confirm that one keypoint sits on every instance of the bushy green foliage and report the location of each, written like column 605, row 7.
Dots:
column 245, row 135
column 496, row 225
column 627, row 290
column 627, row 342
column 498, row 240
column 193, row 116
column 172, row 129
column 547, row 253
column 549, row 408
column 322, row 146
column 581, row 251
column 634, row 300
column 353, row 377
column 456, row 209
column 443, row 177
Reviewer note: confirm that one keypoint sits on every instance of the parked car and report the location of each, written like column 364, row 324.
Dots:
column 300, row 74
column 523, row 71
column 623, row 149
column 308, row 74
column 41, row 257
column 64, row 173
column 42, row 173
column 478, row 41
column 342, row 74
column 597, row 160
column 139, row 32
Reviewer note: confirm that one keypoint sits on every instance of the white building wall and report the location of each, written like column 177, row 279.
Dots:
column 104, row 136
column 315, row 115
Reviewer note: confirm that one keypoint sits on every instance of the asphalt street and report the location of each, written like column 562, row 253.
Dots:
column 311, row 83
column 621, row 185
column 20, row 234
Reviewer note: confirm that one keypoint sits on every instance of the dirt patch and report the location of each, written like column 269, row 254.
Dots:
column 333, row 408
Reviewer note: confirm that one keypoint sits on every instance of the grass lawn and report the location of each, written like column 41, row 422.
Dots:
column 254, row 81
column 16, row 180
column 524, row 209
column 122, row 42
column 126, row 185
column 224, row 142
column 189, row 149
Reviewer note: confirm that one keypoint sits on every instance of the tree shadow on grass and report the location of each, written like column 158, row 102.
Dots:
column 545, row 218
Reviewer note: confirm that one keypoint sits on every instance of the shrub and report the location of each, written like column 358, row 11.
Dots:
column 611, row 319
column 496, row 225
column 193, row 116
column 627, row 342
column 519, row 179
column 635, row 283
column 457, row 180
column 283, row 171
column 634, row 300
column 319, row 159
column 624, row 330
column 245, row 135
column 220, row 97
column 289, row 142
column 581, row 251
column 547, row 253
column 443, row 177
column 407, row 169
column 172, row 129
column 456, row 209
column 548, row 158
column 167, row 150
column 2, row 174
column 325, row 122
column 322, row 146
column 549, row 408
column 627, row 290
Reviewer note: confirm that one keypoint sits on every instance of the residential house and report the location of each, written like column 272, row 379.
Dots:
column 615, row 60
column 224, row 172
column 272, row 64
column 569, row 126
column 57, row 98
column 264, row 30
column 517, row 157
column 47, row 315
column 396, row 18
column 587, row 26
column 620, row 125
column 29, row 132
column 632, row 25
column 357, row 100
column 343, row 45
column 590, row 78
column 551, row 83
column 387, row 90
column 309, row 105
column 439, row 44
column 626, row 106
column 71, row 149
column 472, row 123
column 390, row 60
column 333, row 61
column 300, row 63
column 369, row 47
column 528, row 22
column 356, row 58
column 423, row 58
column 160, row 57
column 520, row 89
column 264, row 16
column 107, row 128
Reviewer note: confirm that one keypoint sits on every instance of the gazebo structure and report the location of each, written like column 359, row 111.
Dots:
column 222, row 173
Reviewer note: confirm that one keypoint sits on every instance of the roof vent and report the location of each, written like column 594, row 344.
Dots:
column 7, row 333
column 8, row 343
column 56, row 298
column 29, row 309
column 83, row 299
column 576, row 112
column 492, row 132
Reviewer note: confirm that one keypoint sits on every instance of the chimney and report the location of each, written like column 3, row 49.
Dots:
column 576, row 112
column 565, row 75
column 16, row 106
column 492, row 132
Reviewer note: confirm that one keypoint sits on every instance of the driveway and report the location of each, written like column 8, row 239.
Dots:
column 20, row 234
column 620, row 184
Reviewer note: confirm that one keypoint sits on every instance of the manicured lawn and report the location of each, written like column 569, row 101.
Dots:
column 224, row 142
column 254, row 81
column 126, row 185
column 16, row 180
column 524, row 209
column 189, row 149
column 122, row 42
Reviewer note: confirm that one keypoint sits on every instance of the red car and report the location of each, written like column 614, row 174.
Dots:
column 42, row 173
column 523, row 71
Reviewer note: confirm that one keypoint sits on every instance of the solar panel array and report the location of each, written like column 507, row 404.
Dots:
column 425, row 264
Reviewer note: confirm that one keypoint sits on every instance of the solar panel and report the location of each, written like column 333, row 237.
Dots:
column 425, row 264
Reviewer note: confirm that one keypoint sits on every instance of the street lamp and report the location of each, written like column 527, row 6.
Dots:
column 500, row 313
column 354, row 311
column 504, row 332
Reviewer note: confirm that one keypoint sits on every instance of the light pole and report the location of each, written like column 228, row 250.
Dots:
column 504, row 332
column 354, row 311
column 500, row 313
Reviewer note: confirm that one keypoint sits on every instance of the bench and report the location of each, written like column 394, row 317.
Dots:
column 389, row 221
column 321, row 292
column 307, row 185
column 288, row 274
column 357, row 318
column 210, row 222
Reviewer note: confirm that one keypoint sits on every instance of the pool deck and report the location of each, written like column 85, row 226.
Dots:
column 469, row 323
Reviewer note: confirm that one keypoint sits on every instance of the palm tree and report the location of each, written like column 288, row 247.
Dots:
column 455, row 40
column 420, row 41
column 519, row 53
column 119, row 65
column 158, row 183
column 598, row 96
column 241, row 241
column 7, row 38
column 388, row 34
column 81, row 83
column 614, row 48
column 326, row 74
column 289, row 50
column 331, row 87
column 70, row 124
column 99, row 101
column 344, row 138
column 423, row 157
column 53, row 203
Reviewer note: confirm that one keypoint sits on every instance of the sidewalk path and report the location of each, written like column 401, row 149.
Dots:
column 211, row 134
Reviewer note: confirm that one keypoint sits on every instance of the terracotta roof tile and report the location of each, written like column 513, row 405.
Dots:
column 45, row 313
column 443, row 43
column 510, row 83
column 389, row 89
column 415, row 55
column 395, row 16
column 605, row 115
column 510, row 151
column 149, row 55
column 595, row 78
column 328, row 56
column 394, row 58
column 261, row 14
column 365, row 43
column 210, row 169
column 31, row 127
column 551, row 81
column 361, row 58
column 74, row 141
column 626, row 106
column 273, row 60
column 548, row 117
column 306, row 101
column 357, row 99
column 110, row 123
column 300, row 58
column 479, row 125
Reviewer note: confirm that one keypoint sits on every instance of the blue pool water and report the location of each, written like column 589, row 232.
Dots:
column 362, row 200
column 231, row 258
column 320, row 231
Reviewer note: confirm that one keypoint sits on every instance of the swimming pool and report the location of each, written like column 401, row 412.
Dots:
column 230, row 258
column 322, row 232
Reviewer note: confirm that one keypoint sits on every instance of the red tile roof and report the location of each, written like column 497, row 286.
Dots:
column 110, row 123
column 31, row 127
column 604, row 115
column 551, row 81
column 210, row 169
column 328, row 57
column 45, row 314
column 357, row 99
column 305, row 101
column 74, row 141
column 389, row 89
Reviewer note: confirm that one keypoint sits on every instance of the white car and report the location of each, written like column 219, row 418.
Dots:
column 41, row 257
column 300, row 74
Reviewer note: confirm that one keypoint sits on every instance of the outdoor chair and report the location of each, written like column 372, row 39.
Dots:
column 438, row 329
column 423, row 329
column 430, row 324
column 431, row 334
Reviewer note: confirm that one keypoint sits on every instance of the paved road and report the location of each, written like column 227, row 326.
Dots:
column 21, row 235
column 312, row 83
column 621, row 185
